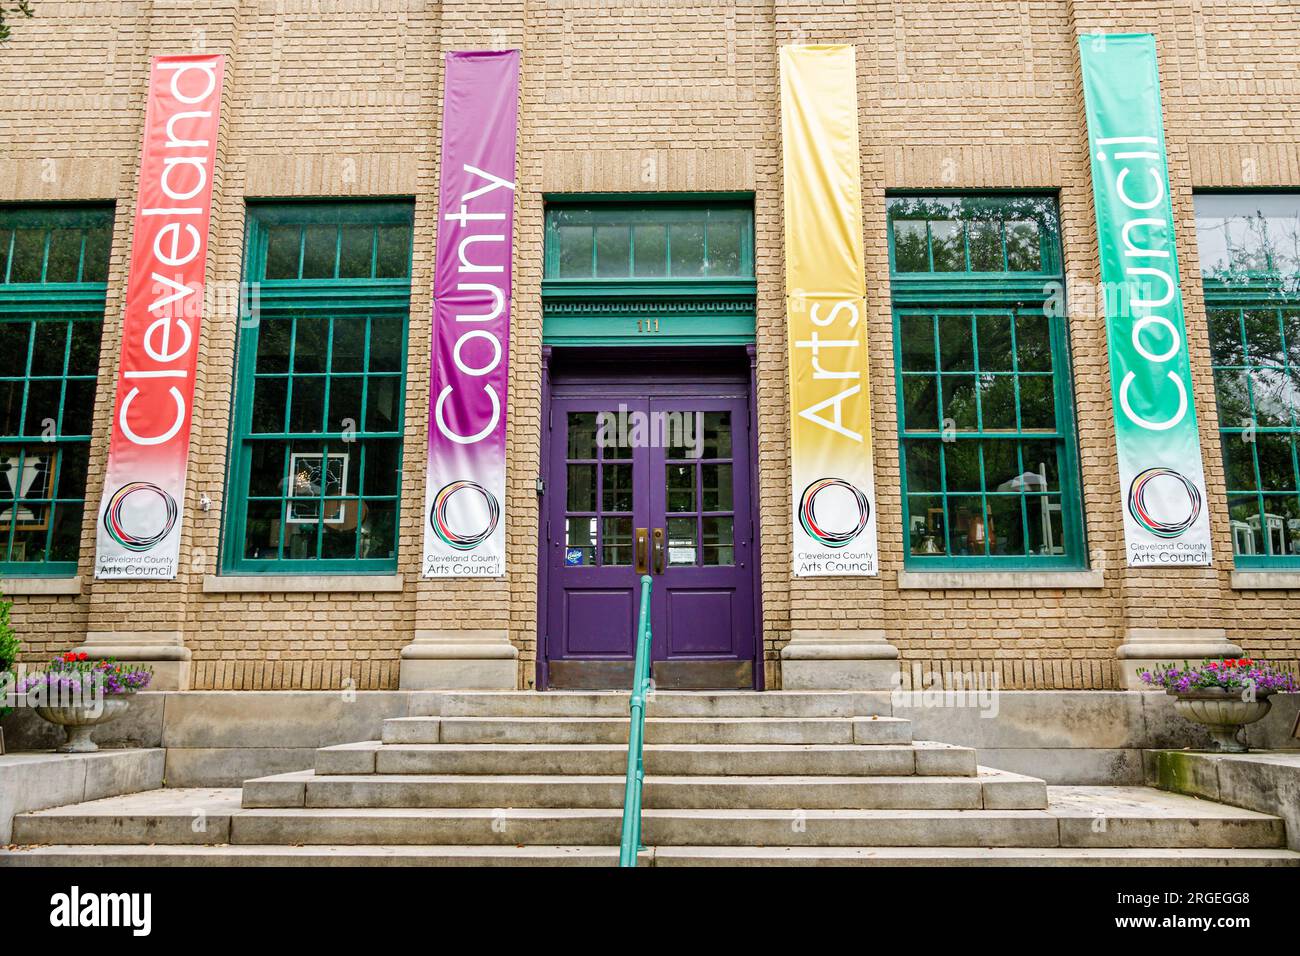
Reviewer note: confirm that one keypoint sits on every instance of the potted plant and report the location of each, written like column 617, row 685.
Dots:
column 8, row 657
column 1222, row 695
column 78, row 694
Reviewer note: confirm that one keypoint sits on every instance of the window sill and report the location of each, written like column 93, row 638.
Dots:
column 1266, row 580
column 302, row 583
column 14, row 587
column 997, row 580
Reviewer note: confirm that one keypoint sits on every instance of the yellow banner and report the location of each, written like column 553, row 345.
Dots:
column 834, row 489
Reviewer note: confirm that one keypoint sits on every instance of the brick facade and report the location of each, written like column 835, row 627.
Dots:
column 340, row 98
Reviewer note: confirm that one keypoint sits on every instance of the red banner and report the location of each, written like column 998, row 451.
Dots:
column 144, row 488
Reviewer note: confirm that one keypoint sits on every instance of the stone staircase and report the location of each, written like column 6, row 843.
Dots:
column 732, row 778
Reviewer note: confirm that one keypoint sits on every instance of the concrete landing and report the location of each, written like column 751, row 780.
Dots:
column 1110, row 826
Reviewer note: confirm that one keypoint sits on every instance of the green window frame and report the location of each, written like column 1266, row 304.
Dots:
column 1249, row 245
column 320, row 392
column 987, row 451
column 53, row 283
column 649, row 269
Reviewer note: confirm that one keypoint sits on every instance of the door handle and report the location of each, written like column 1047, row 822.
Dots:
column 642, row 552
column 659, row 550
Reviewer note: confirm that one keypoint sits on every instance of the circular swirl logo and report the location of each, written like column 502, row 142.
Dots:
column 113, row 516
column 1137, row 503
column 438, row 515
column 808, row 513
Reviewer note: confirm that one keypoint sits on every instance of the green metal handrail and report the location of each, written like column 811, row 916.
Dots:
column 631, row 840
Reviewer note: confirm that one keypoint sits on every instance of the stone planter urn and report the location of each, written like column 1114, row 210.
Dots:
column 1223, row 712
column 77, row 721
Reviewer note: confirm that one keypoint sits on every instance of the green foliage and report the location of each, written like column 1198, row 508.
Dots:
column 8, row 644
column 21, row 7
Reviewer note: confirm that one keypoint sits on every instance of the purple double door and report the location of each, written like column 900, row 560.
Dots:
column 649, row 480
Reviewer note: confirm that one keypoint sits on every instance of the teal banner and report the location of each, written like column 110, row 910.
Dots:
column 1160, row 470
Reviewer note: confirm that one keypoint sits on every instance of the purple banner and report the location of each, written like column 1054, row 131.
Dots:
column 464, row 503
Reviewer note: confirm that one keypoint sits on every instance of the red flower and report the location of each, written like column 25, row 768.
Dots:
column 1245, row 662
column 84, row 656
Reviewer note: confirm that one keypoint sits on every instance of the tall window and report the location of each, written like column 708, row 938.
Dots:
column 320, row 395
column 1250, row 263
column 989, row 459
column 53, row 272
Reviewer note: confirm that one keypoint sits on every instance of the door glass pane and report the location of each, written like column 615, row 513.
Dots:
column 582, row 488
column 614, row 435
column 580, row 542
column 718, row 546
column 681, row 541
column 582, row 435
column 681, row 487
column 616, row 487
column 716, row 488
column 717, row 435
column 616, row 541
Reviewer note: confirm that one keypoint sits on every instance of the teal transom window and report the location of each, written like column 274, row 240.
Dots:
column 1250, row 263
column 53, row 281
column 651, row 269
column 321, row 389
column 988, row 451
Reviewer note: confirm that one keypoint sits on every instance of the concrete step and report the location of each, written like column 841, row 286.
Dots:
column 991, row 789
column 666, row 704
column 855, row 760
column 110, row 824
column 405, row 855
column 596, row 826
column 1096, row 817
column 664, row 730
column 964, row 856
column 339, row 855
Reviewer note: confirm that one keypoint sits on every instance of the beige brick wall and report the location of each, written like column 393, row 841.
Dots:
column 330, row 98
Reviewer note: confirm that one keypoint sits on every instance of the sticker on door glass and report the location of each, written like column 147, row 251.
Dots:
column 573, row 557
